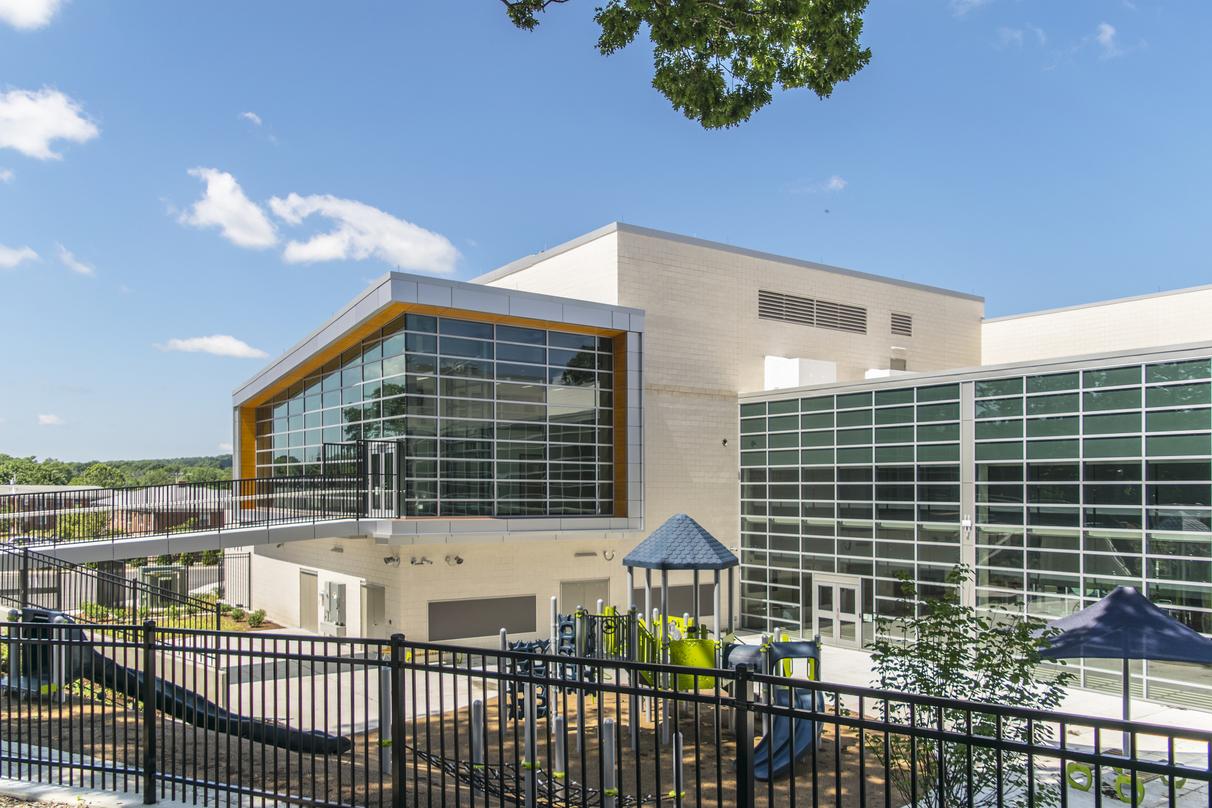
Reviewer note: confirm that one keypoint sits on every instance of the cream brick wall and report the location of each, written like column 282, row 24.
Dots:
column 588, row 271
column 519, row 567
column 1171, row 318
column 703, row 344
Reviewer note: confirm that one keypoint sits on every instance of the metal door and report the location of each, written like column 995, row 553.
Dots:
column 309, row 601
column 837, row 612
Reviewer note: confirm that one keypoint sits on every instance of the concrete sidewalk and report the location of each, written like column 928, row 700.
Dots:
column 853, row 667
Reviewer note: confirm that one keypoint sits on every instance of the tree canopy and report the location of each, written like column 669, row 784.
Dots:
column 113, row 473
column 719, row 61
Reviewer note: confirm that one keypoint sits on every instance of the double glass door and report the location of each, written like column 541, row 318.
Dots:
column 836, row 613
column 384, row 481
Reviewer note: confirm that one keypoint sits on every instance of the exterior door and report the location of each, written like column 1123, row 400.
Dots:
column 382, row 479
column 836, row 613
column 584, row 593
column 309, row 601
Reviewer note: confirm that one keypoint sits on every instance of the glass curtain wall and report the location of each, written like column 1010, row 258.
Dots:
column 493, row 419
column 1084, row 480
column 862, row 484
column 1088, row 480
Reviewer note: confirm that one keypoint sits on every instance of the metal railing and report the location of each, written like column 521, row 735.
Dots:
column 80, row 515
column 109, row 594
column 319, row 721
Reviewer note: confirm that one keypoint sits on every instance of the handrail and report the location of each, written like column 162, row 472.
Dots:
column 91, row 514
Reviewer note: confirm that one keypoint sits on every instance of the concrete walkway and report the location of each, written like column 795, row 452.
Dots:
column 853, row 667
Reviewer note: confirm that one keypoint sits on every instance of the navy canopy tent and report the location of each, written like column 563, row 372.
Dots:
column 1126, row 625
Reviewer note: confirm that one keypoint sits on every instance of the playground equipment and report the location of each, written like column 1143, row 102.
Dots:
column 784, row 740
column 41, row 668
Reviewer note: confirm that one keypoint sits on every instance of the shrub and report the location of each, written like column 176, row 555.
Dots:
column 953, row 651
column 94, row 611
column 256, row 619
column 239, row 615
column 211, row 558
column 225, row 609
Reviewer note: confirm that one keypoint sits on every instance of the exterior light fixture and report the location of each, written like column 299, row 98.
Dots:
column 454, row 560
column 608, row 555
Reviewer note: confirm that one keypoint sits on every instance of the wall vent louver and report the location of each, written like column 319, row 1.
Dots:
column 902, row 324
column 807, row 311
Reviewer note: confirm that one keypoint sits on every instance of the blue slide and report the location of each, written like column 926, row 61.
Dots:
column 774, row 753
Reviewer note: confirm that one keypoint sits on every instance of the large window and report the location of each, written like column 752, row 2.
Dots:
column 492, row 419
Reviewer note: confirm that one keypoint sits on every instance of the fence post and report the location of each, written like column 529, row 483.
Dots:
column 149, row 712
column 23, row 579
column 744, row 739
column 396, row 672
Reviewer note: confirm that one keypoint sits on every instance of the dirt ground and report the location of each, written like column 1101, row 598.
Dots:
column 106, row 737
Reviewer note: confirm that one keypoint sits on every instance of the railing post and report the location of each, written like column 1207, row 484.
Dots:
column 149, row 712
column 396, row 671
column 24, row 578
column 744, row 739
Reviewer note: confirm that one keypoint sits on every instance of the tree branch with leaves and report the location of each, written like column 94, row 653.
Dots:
column 719, row 61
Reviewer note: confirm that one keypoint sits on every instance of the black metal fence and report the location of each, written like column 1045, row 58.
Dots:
column 108, row 593
column 210, row 717
column 74, row 515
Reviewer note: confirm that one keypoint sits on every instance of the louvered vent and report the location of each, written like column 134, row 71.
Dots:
column 806, row 311
column 902, row 324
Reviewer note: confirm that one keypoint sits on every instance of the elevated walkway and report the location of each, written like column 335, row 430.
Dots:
column 113, row 524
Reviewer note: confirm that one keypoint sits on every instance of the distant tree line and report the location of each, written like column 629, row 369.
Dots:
column 113, row 473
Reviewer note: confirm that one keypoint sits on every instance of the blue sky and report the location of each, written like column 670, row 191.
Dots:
column 1040, row 153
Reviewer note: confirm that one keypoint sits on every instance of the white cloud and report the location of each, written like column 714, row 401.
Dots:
column 224, row 206
column 362, row 232
column 47, row 419
column 69, row 260
column 12, row 256
column 252, row 118
column 1105, row 36
column 6, row 175
column 831, row 184
column 1007, row 37
column 961, row 7
column 224, row 446
column 1010, row 36
column 31, row 120
column 217, row 344
column 28, row 14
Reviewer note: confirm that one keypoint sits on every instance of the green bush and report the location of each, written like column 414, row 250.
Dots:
column 239, row 615
column 211, row 558
column 256, row 619
column 94, row 611
column 225, row 609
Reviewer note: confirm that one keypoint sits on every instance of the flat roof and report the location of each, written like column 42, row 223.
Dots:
column 439, row 293
column 1057, row 365
column 1113, row 301
column 622, row 227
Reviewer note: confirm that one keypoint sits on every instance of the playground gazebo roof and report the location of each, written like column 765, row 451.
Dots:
column 681, row 544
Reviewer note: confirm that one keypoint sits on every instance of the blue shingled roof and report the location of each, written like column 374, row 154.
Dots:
column 681, row 544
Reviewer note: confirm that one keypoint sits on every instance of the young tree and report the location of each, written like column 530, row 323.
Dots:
column 718, row 61
column 946, row 649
